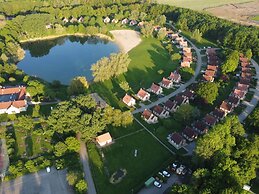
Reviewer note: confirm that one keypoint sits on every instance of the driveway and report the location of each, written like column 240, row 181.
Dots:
column 182, row 87
column 252, row 104
column 154, row 190
column 38, row 183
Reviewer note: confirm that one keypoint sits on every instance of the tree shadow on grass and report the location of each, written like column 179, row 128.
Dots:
column 29, row 145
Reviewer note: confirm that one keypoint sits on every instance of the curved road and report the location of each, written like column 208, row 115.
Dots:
column 252, row 104
column 182, row 87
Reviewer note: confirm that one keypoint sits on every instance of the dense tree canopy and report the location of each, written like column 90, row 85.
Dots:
column 78, row 85
column 231, row 63
column 208, row 91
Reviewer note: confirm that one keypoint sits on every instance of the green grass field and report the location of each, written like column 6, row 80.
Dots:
column 146, row 60
column 150, row 158
column 199, row 4
column 256, row 18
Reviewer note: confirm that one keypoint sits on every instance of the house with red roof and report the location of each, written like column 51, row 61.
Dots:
column 200, row 127
column 183, row 44
column 179, row 100
column 242, row 87
column 187, row 50
column 210, row 120
column 208, row 78
column 239, row 94
column 211, row 73
column 246, row 69
column 189, row 133
column 212, row 67
column 160, row 111
column 156, row 89
column 104, row 139
column 226, row 107
column 245, row 81
column 166, row 83
column 129, row 100
column 234, row 101
column 188, row 94
column 176, row 140
column 143, row 95
column 175, row 77
column 185, row 64
column 13, row 100
column 218, row 113
column 171, row 106
column 246, row 75
column 149, row 117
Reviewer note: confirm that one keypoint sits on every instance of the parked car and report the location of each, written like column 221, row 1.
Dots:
column 157, row 184
column 180, row 169
column 167, row 174
column 161, row 174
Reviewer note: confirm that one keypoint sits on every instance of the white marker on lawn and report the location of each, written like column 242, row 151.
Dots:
column 136, row 153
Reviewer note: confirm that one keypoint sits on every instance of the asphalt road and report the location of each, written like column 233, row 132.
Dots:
column 38, row 183
column 252, row 104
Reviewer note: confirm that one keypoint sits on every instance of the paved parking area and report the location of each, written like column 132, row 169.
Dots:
column 154, row 190
column 38, row 183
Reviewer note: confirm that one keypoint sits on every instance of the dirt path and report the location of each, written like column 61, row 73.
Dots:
column 126, row 39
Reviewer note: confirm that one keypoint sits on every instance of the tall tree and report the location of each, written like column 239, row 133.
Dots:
column 208, row 91
column 231, row 63
column 78, row 85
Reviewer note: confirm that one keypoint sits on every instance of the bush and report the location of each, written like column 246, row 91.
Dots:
column 186, row 73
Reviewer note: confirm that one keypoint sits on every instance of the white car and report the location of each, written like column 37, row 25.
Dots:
column 167, row 174
column 160, row 173
column 157, row 184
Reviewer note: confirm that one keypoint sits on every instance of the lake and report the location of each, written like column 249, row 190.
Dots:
column 64, row 58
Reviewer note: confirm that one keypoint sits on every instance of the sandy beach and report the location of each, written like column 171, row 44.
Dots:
column 126, row 39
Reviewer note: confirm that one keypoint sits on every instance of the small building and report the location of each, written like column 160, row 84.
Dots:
column 150, row 181
column 246, row 75
column 143, row 95
column 185, row 64
column 129, row 100
column 160, row 111
column 187, row 59
column 200, row 127
column 210, row 120
column 115, row 21
column 171, row 106
column 239, row 94
column 156, row 28
column 183, row 44
column 175, row 77
column 179, row 100
column 219, row 114
column 208, row 78
column 245, row 64
column 133, row 23
column 73, row 20
column 212, row 67
column 49, row 26
column 65, row 20
column 242, row 87
column 226, row 107
column 81, row 19
column 149, row 117
column 246, row 69
column 125, row 21
column 233, row 101
column 189, row 133
column 187, row 50
column 176, row 140
column 156, row 89
column 210, row 73
column 166, row 83
column 188, row 94
column 245, row 81
column 106, row 20
column 104, row 139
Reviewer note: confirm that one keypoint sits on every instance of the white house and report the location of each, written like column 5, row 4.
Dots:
column 176, row 140
column 143, row 95
column 156, row 89
column 107, row 20
column 149, row 117
column 166, row 83
column 129, row 100
column 160, row 112
column 104, row 139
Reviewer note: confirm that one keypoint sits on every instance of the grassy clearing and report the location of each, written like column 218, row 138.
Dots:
column 200, row 4
column 146, row 60
column 151, row 156
column 256, row 18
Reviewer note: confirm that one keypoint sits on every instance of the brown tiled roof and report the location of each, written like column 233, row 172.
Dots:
column 244, row 81
column 189, row 132
column 185, row 64
column 170, row 104
column 242, row 87
column 211, row 51
column 177, row 138
column 104, row 137
column 207, row 78
column 127, row 98
column 174, row 76
column 147, row 114
column 201, row 126
column 5, row 105
column 239, row 93
column 179, row 99
column 225, row 106
column 243, row 59
column 210, row 73
column 212, row 67
column 246, row 75
column 211, row 120
column 233, row 100
column 142, row 93
column 158, row 109
column 245, row 64
column 166, row 82
column 187, row 59
column 187, row 50
column 246, row 69
column 14, row 90
column 19, row 103
column 155, row 87
column 188, row 93
column 188, row 55
column 218, row 113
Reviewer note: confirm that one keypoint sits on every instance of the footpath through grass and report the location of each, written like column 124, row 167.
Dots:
column 150, row 157
column 146, row 60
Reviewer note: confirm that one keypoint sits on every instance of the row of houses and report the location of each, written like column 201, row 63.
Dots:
column 163, row 110
column 157, row 89
column 212, row 67
column 202, row 126
column 13, row 100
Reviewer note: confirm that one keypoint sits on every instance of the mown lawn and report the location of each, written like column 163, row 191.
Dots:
column 146, row 60
column 256, row 18
column 150, row 158
column 199, row 4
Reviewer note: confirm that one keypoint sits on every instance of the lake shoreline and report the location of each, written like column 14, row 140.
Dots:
column 50, row 37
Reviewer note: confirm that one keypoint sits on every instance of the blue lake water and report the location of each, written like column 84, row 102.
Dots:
column 64, row 58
